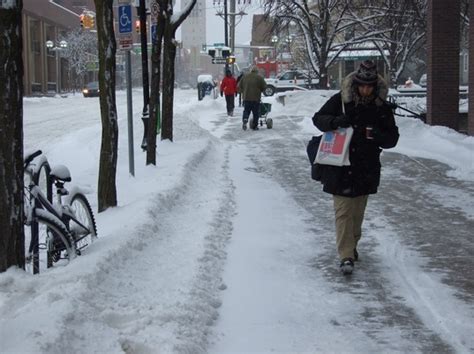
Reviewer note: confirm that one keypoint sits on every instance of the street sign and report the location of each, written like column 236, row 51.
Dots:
column 219, row 61
column 125, row 19
column 125, row 42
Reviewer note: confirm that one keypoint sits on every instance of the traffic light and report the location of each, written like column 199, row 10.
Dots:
column 225, row 53
column 230, row 60
column 212, row 52
column 137, row 26
column 87, row 21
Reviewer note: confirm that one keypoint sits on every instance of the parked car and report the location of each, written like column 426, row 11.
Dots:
column 91, row 89
column 290, row 80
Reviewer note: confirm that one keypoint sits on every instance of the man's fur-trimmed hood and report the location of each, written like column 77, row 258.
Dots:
column 346, row 89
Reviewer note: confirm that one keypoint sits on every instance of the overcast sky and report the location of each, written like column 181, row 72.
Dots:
column 243, row 29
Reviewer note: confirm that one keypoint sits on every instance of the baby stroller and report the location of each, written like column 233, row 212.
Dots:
column 265, row 108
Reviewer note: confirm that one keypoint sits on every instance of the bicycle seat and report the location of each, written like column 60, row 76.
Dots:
column 60, row 173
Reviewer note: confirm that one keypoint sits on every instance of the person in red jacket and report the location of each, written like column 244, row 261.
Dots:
column 229, row 89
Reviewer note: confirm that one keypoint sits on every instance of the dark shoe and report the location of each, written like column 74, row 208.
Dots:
column 244, row 125
column 347, row 266
column 255, row 128
column 356, row 255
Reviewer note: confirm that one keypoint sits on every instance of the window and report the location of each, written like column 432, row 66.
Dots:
column 288, row 76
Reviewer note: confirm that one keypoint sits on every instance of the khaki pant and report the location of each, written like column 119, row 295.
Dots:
column 349, row 216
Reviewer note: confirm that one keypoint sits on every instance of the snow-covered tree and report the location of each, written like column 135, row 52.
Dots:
column 172, row 23
column 325, row 28
column 81, row 50
column 107, row 190
column 400, row 27
column 165, row 40
column 156, row 49
column 12, row 248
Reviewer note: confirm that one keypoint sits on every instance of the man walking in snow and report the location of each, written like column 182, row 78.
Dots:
column 251, row 87
column 229, row 89
column 363, row 94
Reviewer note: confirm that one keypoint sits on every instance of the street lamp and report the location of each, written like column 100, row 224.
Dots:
column 62, row 45
column 275, row 46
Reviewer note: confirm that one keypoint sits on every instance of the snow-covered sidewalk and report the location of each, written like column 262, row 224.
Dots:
column 228, row 246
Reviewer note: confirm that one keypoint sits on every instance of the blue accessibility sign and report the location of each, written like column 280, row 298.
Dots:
column 125, row 18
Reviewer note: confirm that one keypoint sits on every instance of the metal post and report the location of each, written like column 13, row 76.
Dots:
column 146, row 86
column 226, row 30
column 232, row 29
column 131, row 161
column 58, row 69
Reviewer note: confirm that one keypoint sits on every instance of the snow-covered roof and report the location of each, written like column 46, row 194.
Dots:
column 360, row 53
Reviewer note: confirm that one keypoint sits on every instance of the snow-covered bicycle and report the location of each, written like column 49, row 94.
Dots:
column 54, row 232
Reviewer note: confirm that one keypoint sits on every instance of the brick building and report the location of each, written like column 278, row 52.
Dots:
column 46, row 20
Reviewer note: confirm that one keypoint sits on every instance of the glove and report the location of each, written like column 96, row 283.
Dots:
column 222, row 93
column 342, row 121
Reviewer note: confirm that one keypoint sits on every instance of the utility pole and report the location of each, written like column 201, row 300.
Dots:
column 226, row 25
column 226, row 31
column 225, row 15
column 232, row 30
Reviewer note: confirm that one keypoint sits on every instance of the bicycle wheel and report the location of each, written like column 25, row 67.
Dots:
column 41, row 178
column 82, row 224
column 53, row 245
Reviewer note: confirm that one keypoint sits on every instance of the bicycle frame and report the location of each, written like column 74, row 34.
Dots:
column 43, row 202
column 58, row 212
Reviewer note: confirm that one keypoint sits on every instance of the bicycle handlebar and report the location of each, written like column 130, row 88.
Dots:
column 31, row 157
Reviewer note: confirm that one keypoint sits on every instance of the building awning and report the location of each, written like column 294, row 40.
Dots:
column 360, row 54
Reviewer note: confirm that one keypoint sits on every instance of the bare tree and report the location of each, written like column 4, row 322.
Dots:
column 403, row 24
column 155, row 82
column 81, row 50
column 107, row 190
column 167, row 24
column 169, row 55
column 12, row 248
column 325, row 29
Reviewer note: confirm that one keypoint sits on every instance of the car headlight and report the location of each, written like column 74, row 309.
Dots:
column 85, row 91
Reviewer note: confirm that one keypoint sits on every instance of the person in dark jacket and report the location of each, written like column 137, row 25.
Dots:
column 229, row 89
column 251, row 87
column 363, row 94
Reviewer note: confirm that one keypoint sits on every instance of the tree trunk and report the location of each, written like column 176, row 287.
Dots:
column 107, row 192
column 155, row 89
column 12, row 248
column 169, row 56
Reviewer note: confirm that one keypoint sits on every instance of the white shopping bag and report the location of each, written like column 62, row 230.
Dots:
column 334, row 147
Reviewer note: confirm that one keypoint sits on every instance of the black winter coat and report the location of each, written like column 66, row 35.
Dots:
column 362, row 177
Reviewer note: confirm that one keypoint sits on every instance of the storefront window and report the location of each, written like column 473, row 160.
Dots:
column 36, row 73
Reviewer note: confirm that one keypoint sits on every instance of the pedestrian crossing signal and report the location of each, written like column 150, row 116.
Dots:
column 137, row 26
